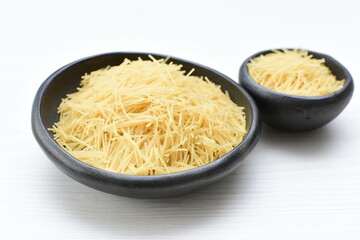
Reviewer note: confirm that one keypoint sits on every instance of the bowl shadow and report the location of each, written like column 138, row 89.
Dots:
column 306, row 144
column 141, row 217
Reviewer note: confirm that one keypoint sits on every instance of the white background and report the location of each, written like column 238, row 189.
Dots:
column 292, row 186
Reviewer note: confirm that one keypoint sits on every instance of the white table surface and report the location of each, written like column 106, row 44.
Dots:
column 292, row 186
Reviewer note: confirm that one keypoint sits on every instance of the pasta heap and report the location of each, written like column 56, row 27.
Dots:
column 146, row 117
column 293, row 72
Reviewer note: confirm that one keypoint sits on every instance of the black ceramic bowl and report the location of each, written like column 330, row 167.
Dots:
column 299, row 113
column 66, row 80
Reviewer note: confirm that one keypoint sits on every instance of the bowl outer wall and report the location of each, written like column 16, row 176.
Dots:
column 299, row 113
column 67, row 78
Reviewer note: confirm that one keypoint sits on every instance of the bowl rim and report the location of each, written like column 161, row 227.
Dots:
column 48, row 144
column 348, row 78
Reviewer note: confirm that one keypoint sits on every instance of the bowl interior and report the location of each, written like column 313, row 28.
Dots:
column 65, row 82
column 335, row 67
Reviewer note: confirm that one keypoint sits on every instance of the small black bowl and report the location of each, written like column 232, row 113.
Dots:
column 67, row 79
column 298, row 113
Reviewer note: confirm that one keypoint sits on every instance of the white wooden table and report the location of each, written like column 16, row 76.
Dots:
column 292, row 186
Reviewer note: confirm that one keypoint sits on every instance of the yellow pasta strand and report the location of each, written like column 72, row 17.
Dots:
column 293, row 72
column 147, row 117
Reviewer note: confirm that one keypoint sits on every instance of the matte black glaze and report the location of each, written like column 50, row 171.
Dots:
column 66, row 80
column 299, row 113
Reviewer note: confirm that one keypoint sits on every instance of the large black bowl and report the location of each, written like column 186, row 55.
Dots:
column 299, row 113
column 67, row 79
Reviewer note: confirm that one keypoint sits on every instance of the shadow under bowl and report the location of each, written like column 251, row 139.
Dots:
column 299, row 113
column 67, row 79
